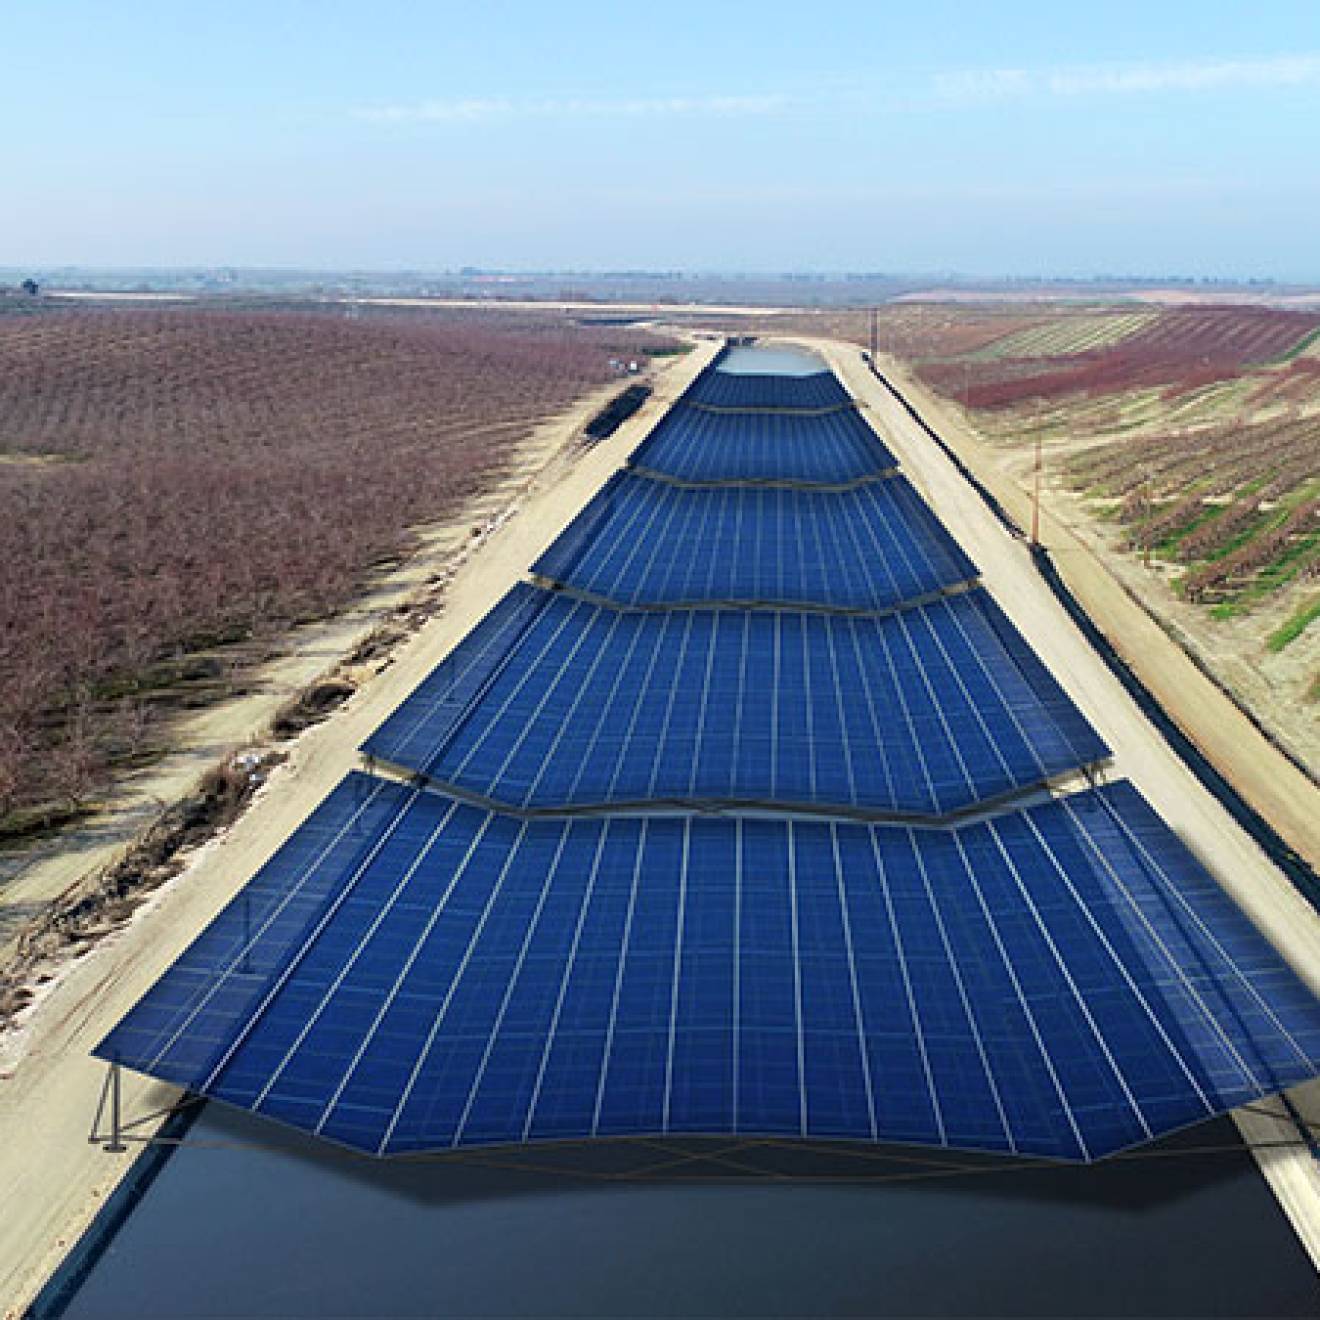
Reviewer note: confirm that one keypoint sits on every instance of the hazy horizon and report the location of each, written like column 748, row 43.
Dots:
column 1020, row 142
column 677, row 274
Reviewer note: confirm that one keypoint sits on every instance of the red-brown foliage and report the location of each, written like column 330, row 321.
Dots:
column 173, row 479
column 1214, row 577
column 1235, row 502
column 909, row 330
column 1218, row 532
column 1184, row 348
column 1298, row 383
column 1270, row 459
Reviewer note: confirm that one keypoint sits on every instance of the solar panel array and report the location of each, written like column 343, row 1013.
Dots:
column 694, row 445
column 1063, row 980
column 920, row 712
column 740, row 822
column 648, row 542
column 723, row 389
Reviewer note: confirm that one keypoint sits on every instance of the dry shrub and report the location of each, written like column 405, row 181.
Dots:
column 311, row 706
column 104, row 903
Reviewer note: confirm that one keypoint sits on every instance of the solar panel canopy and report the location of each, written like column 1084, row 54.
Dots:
column 833, row 448
column 923, row 712
column 813, row 392
column 414, row 973
column 753, row 814
column 870, row 548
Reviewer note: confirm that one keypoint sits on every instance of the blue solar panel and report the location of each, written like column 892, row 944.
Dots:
column 724, row 389
column 920, row 713
column 690, row 444
column 230, row 970
column 870, row 547
column 1063, row 981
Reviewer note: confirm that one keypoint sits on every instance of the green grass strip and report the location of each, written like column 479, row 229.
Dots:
column 1299, row 347
column 1294, row 627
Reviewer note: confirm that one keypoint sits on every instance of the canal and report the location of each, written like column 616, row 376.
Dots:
column 245, row 1219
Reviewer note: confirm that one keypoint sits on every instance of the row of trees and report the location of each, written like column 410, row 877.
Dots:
column 1288, row 540
column 1232, row 502
column 1181, row 350
column 1272, row 457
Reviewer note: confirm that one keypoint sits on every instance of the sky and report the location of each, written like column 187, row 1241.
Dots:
column 1009, row 138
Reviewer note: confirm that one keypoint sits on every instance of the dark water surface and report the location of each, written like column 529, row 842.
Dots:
column 298, row 1230
column 771, row 360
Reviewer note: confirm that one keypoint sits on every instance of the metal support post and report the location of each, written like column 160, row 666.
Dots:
column 116, row 1143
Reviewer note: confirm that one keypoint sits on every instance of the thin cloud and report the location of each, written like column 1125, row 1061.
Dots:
column 1205, row 75
column 493, row 110
column 951, row 89
column 974, row 86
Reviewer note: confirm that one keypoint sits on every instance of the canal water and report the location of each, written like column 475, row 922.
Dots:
column 771, row 360
column 247, row 1220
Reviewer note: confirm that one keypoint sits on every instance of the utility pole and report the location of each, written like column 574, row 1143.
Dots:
column 1035, row 493
column 875, row 332
column 1145, row 540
